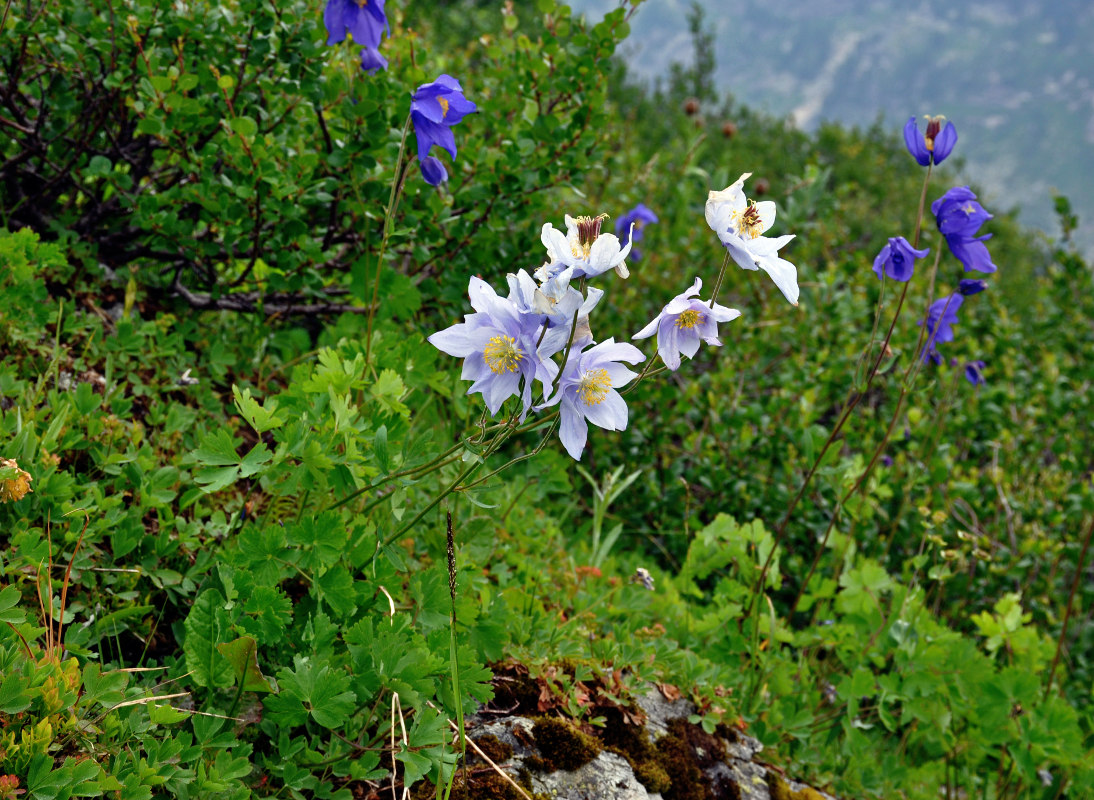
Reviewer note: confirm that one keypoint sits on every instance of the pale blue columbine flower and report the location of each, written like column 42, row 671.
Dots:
column 629, row 227
column 434, row 109
column 583, row 248
column 936, row 143
column 959, row 217
column 897, row 259
column 684, row 323
column 587, row 392
column 366, row 21
column 740, row 226
column 557, row 304
column 498, row 345
column 974, row 372
column 941, row 317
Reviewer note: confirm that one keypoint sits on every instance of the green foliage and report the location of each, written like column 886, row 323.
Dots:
column 265, row 499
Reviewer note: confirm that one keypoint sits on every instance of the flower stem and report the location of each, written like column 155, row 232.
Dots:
column 389, row 221
column 780, row 532
column 1067, row 611
column 718, row 281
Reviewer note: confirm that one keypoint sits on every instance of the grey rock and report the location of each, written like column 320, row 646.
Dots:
column 606, row 776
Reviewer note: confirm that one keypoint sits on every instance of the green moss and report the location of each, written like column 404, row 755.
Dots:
column 780, row 789
column 563, row 746
column 496, row 750
column 652, row 776
column 678, row 762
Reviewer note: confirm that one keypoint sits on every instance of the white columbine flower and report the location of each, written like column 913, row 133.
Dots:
column 741, row 225
column 583, row 248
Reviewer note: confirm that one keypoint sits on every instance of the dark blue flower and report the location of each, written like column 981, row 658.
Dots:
column 936, row 144
column 959, row 217
column 974, row 372
column 371, row 60
column 941, row 317
column 638, row 216
column 434, row 109
column 897, row 259
column 970, row 286
column 365, row 20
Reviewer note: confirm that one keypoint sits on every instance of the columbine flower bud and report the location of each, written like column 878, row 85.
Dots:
column 969, row 287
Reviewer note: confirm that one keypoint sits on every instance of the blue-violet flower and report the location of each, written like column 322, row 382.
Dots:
column 936, row 144
column 959, row 217
column 897, row 259
column 941, row 317
column 629, row 227
column 434, row 109
column 970, row 286
column 683, row 323
column 366, row 21
column 974, row 372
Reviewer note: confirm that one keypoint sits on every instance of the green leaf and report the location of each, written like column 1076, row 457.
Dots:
column 207, row 625
column 260, row 418
column 244, row 126
column 9, row 597
column 387, row 390
column 242, row 654
column 165, row 714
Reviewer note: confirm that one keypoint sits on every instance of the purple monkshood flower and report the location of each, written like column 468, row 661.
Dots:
column 936, row 144
column 897, row 259
column 959, row 217
column 683, row 323
column 970, row 286
column 941, row 317
column 974, row 372
column 498, row 345
column 587, row 392
column 639, row 216
column 434, row 109
column 365, row 21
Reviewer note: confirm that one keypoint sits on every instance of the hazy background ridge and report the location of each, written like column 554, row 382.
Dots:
column 1015, row 76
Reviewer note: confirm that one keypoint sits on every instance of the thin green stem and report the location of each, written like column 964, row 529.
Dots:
column 718, row 281
column 389, row 221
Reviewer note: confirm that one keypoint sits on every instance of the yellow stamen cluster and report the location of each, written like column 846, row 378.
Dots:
column 588, row 229
column 689, row 319
column 594, row 386
column 502, row 354
column 748, row 222
column 14, row 488
column 444, row 106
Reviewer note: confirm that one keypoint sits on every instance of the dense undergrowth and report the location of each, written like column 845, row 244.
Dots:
column 230, row 576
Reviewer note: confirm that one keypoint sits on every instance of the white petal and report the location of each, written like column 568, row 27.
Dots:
column 573, row 430
column 647, row 331
column 784, row 274
column 766, row 211
column 732, row 198
column 558, row 248
column 610, row 413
